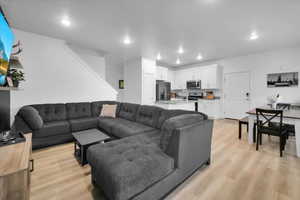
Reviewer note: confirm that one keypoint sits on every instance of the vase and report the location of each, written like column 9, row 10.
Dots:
column 2, row 80
column 16, row 83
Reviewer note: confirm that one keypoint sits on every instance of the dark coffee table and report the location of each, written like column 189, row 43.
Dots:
column 84, row 139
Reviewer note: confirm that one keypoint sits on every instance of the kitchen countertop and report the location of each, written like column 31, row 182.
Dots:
column 183, row 101
column 177, row 101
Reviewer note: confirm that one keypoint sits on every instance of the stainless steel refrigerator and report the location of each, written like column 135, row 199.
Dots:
column 163, row 90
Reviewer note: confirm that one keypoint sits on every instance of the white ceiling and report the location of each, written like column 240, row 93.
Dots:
column 216, row 28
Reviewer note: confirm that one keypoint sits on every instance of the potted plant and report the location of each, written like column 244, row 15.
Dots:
column 16, row 76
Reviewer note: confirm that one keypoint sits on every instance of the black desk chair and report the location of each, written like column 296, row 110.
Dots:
column 265, row 125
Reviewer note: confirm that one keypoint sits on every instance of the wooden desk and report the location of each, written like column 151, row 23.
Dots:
column 15, row 170
column 291, row 116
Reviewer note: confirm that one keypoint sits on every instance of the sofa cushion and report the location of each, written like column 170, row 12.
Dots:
column 78, row 110
column 42, row 142
column 123, row 169
column 51, row 112
column 32, row 117
column 125, row 128
column 106, row 123
column 52, row 129
column 150, row 138
column 97, row 107
column 148, row 115
column 128, row 111
column 170, row 126
column 167, row 114
column 83, row 123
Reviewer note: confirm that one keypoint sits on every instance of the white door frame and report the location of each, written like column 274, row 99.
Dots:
column 250, row 88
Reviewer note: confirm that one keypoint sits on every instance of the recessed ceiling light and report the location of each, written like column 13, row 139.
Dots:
column 178, row 61
column 65, row 21
column 199, row 57
column 254, row 36
column 158, row 57
column 180, row 50
column 127, row 40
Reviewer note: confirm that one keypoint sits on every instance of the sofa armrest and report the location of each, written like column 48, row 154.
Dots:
column 19, row 125
column 31, row 117
column 190, row 146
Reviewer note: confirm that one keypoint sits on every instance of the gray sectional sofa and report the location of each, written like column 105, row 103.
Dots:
column 153, row 150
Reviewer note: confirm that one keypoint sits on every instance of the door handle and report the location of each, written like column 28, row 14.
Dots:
column 32, row 165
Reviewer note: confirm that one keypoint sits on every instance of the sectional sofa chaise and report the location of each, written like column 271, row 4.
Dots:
column 153, row 150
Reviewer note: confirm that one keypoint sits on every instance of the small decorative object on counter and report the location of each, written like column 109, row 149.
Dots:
column 274, row 100
column 210, row 95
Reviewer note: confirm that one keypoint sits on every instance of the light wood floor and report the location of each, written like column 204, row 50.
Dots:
column 236, row 172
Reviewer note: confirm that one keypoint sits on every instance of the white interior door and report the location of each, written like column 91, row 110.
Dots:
column 236, row 95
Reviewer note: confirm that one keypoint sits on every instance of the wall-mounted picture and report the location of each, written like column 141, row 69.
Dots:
column 289, row 79
column 6, row 43
column 121, row 84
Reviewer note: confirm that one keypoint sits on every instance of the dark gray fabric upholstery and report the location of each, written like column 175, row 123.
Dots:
column 32, row 117
column 190, row 145
column 149, row 137
column 170, row 126
column 106, row 123
column 52, row 129
column 156, row 149
column 42, row 142
column 148, row 115
column 167, row 114
column 126, row 128
column 128, row 111
column 83, row 123
column 51, row 112
column 125, row 169
column 97, row 107
column 19, row 125
column 79, row 110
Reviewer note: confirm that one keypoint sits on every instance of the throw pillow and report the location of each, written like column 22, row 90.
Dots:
column 108, row 111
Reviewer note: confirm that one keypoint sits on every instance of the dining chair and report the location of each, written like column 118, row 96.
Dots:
column 290, row 127
column 245, row 121
column 283, row 106
column 266, row 125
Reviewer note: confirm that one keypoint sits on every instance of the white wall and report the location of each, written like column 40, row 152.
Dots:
column 55, row 74
column 259, row 65
column 114, row 73
column 93, row 59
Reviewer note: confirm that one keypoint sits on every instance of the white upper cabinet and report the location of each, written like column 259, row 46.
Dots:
column 171, row 78
column 161, row 73
column 181, row 76
column 210, row 76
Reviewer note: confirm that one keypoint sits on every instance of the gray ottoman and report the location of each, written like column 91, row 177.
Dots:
column 124, row 168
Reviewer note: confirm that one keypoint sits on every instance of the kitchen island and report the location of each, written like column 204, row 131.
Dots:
column 211, row 107
column 177, row 104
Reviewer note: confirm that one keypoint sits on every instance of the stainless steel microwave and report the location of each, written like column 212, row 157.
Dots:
column 193, row 84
